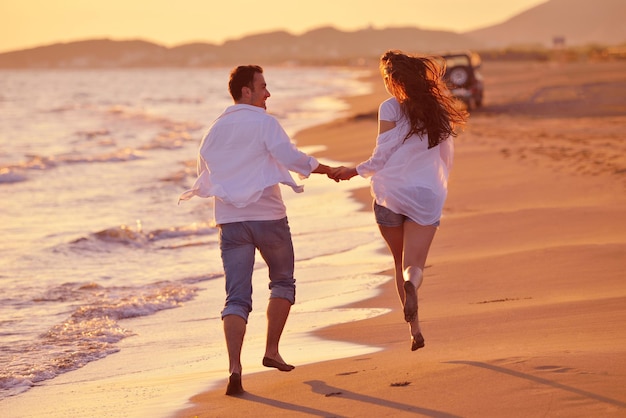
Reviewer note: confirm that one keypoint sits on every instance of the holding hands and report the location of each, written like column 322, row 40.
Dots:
column 341, row 173
column 336, row 173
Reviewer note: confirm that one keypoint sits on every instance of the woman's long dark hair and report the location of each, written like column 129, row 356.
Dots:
column 416, row 82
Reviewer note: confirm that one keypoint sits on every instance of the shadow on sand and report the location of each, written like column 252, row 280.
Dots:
column 325, row 390
column 542, row 381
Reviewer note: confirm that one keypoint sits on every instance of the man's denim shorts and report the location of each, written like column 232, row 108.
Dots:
column 387, row 217
column 238, row 243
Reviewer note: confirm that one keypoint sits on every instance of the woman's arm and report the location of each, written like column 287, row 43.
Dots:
column 386, row 144
column 385, row 125
column 346, row 173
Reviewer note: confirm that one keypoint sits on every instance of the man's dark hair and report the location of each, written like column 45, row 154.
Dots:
column 241, row 77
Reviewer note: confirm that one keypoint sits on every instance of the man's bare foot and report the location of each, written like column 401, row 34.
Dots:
column 234, row 387
column 280, row 365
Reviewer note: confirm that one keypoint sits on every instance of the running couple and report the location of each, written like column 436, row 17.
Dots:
column 246, row 154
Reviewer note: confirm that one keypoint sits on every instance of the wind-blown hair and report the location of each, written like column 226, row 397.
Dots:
column 240, row 77
column 416, row 82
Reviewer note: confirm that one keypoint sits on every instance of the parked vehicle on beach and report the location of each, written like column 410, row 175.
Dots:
column 463, row 77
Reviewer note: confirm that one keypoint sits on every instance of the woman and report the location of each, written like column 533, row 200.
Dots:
column 409, row 168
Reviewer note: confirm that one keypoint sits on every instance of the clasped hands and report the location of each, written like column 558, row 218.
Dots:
column 341, row 173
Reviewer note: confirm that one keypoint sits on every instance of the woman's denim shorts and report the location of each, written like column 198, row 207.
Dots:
column 387, row 217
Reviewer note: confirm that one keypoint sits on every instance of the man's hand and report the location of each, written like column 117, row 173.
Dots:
column 343, row 173
column 336, row 173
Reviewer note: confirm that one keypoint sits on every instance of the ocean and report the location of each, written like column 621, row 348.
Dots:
column 105, row 279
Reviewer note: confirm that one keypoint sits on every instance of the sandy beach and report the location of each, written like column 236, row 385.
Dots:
column 523, row 304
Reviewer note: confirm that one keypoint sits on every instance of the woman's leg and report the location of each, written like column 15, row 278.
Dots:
column 416, row 243
column 394, row 237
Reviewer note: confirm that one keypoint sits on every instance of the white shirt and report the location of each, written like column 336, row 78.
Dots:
column 406, row 176
column 242, row 159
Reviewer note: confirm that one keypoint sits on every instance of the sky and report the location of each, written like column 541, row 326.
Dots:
column 30, row 23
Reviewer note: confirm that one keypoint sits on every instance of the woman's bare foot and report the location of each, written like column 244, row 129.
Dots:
column 417, row 341
column 410, row 301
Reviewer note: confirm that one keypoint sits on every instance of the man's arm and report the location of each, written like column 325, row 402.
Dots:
column 331, row 172
column 323, row 169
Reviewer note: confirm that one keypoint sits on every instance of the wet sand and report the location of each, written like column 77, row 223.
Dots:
column 523, row 304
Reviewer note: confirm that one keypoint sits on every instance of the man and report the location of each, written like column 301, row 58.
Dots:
column 242, row 159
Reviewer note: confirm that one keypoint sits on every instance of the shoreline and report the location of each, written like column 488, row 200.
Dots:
column 513, row 325
column 162, row 381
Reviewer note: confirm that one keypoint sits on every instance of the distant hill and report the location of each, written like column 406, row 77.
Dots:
column 320, row 46
column 577, row 22
column 90, row 53
column 332, row 45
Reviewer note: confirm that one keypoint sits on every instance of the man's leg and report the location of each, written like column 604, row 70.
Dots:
column 276, row 248
column 277, row 313
column 238, row 260
column 234, row 331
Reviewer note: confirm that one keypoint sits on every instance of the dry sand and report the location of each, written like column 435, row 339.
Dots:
column 523, row 306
